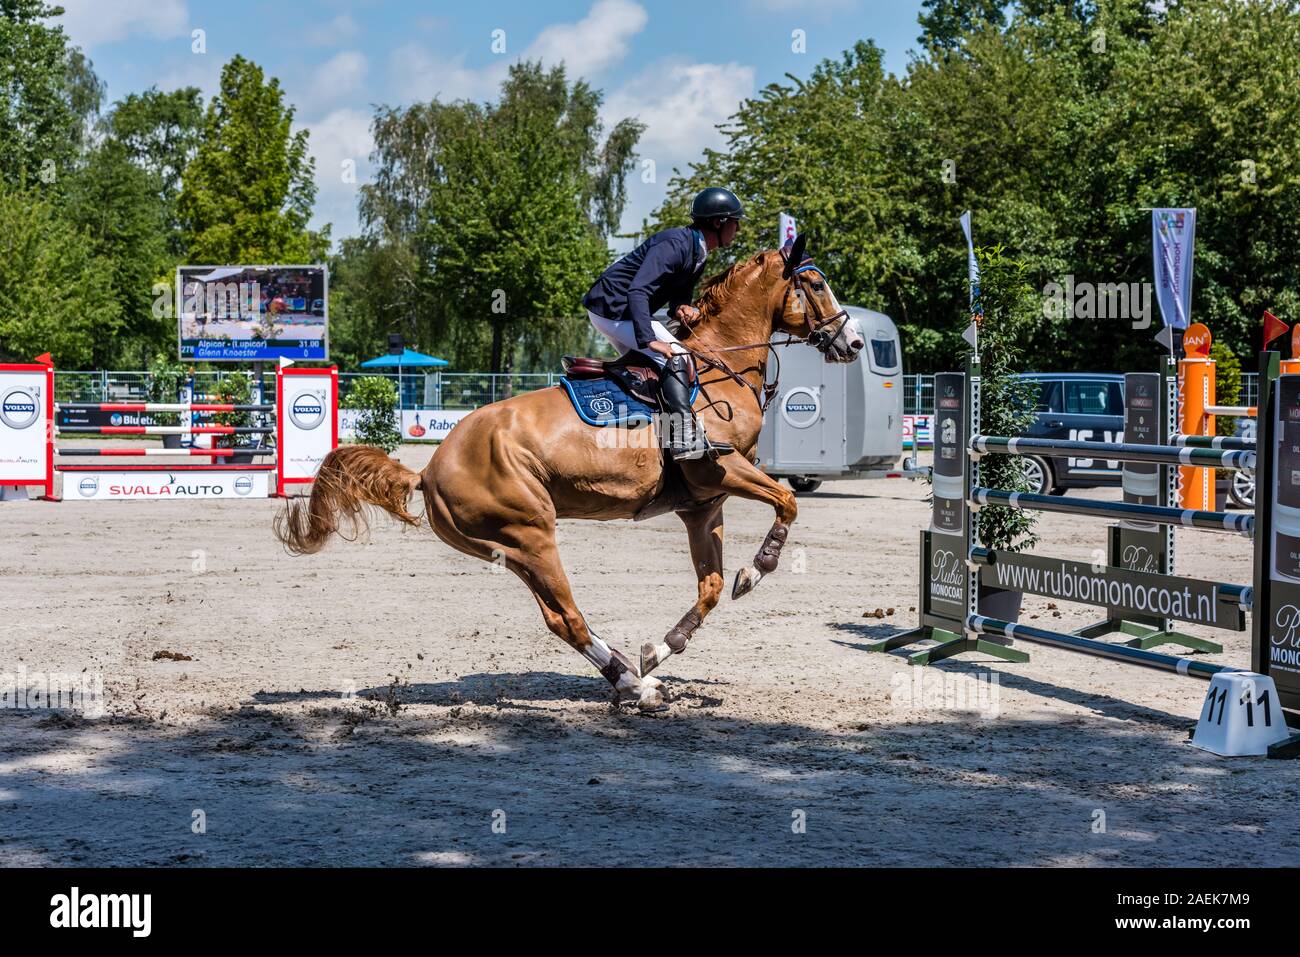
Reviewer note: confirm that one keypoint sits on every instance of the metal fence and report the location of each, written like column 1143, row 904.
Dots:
column 918, row 397
column 436, row 390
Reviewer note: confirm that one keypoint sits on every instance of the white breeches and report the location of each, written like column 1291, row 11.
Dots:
column 622, row 337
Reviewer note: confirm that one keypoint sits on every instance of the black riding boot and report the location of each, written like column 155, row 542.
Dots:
column 686, row 438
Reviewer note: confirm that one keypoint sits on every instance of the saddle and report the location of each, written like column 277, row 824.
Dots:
column 637, row 374
column 634, row 371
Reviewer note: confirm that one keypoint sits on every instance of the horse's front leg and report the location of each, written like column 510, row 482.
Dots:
column 736, row 475
column 704, row 528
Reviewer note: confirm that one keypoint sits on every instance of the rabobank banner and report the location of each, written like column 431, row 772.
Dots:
column 1173, row 234
column 417, row 425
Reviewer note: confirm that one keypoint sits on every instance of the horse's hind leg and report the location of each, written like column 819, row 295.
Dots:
column 530, row 552
column 543, row 573
column 704, row 527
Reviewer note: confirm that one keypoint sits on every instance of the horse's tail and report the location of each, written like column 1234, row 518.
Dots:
column 350, row 478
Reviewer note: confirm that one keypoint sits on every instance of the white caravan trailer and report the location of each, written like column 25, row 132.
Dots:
column 838, row 421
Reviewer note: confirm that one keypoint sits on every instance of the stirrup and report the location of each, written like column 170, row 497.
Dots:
column 700, row 445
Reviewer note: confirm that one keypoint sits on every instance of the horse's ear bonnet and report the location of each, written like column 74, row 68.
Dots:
column 794, row 257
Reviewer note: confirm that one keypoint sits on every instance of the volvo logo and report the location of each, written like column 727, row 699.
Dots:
column 243, row 485
column 18, row 409
column 307, row 410
column 801, row 407
column 88, row 486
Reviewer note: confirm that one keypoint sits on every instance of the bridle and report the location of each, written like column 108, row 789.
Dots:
column 818, row 335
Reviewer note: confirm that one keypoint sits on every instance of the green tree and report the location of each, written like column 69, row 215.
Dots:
column 161, row 133
column 493, row 218
column 945, row 22
column 116, row 206
column 1009, row 310
column 48, row 93
column 247, row 195
column 834, row 151
column 54, row 296
column 376, row 398
column 1056, row 130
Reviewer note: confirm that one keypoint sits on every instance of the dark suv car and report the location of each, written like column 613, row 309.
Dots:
column 1088, row 406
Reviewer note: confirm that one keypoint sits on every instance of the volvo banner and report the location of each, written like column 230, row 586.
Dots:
column 26, row 405
column 1173, row 234
column 308, row 421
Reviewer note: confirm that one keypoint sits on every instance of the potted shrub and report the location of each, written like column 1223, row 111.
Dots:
column 375, row 397
column 233, row 389
column 1011, row 311
column 165, row 378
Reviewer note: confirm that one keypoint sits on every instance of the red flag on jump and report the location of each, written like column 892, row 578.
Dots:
column 45, row 359
column 1273, row 327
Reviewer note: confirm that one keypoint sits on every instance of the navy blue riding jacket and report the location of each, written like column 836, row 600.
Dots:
column 661, row 271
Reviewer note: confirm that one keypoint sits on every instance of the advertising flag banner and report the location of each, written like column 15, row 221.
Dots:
column 788, row 230
column 972, row 266
column 1173, row 235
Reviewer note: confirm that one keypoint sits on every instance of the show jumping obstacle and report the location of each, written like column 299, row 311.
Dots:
column 961, row 581
column 305, row 427
column 1197, row 412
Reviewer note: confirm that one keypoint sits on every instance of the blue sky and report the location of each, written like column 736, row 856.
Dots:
column 679, row 66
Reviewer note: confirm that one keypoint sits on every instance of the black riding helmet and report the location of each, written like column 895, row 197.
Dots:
column 716, row 203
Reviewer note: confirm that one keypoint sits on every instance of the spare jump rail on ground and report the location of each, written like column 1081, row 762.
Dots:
column 1008, row 630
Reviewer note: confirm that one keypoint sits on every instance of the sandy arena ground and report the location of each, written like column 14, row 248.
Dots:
column 388, row 702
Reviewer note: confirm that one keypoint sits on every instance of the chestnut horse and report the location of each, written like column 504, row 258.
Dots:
column 497, row 484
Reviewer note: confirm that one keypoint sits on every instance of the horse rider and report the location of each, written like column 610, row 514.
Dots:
column 663, row 270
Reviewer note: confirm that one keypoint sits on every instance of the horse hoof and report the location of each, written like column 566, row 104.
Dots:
column 653, row 655
column 746, row 579
column 652, row 698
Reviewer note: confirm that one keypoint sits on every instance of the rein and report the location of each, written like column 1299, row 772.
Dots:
column 816, row 336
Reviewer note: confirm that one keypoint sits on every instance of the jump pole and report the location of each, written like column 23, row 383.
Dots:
column 306, row 429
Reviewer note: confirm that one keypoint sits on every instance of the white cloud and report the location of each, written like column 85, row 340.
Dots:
column 335, row 80
column 597, row 41
column 342, row 136
column 201, row 70
column 816, row 7
column 681, row 104
column 89, row 23
column 342, row 29
column 586, row 47
column 421, row 76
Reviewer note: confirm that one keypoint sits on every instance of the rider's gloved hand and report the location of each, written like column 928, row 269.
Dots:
column 687, row 314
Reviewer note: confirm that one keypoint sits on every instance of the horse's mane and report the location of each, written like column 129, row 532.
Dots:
column 716, row 290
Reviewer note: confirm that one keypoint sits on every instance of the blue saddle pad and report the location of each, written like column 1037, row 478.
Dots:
column 605, row 402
